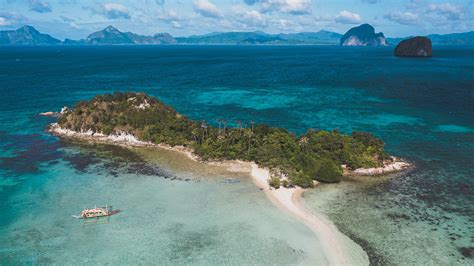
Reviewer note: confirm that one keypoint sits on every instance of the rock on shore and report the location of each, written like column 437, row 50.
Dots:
column 414, row 47
column 395, row 166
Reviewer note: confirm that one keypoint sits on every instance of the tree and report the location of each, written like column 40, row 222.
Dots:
column 249, row 134
column 303, row 141
column 328, row 171
column 274, row 182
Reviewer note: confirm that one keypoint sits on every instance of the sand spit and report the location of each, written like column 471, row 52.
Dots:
column 338, row 248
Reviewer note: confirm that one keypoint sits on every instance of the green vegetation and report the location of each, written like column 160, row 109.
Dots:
column 316, row 155
column 274, row 182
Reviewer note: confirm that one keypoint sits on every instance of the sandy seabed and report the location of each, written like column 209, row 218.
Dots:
column 338, row 248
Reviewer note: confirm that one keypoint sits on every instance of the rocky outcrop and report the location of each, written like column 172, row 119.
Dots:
column 414, row 47
column 50, row 113
column 363, row 35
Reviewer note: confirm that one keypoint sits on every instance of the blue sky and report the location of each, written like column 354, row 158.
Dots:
column 77, row 18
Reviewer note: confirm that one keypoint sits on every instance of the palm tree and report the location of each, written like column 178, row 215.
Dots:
column 239, row 123
column 249, row 133
column 225, row 125
column 303, row 141
column 219, row 121
column 204, row 129
column 195, row 133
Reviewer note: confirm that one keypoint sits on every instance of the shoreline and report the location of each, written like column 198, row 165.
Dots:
column 335, row 244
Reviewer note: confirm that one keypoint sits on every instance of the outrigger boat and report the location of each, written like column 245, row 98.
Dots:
column 96, row 212
column 231, row 181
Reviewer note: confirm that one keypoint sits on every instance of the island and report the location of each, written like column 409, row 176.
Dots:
column 317, row 155
column 280, row 163
column 112, row 36
column 414, row 47
column 26, row 35
column 363, row 35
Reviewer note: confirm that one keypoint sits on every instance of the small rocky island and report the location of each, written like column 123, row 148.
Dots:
column 138, row 119
column 363, row 35
column 414, row 47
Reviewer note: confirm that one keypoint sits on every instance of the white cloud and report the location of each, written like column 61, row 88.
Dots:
column 371, row 1
column 4, row 22
column 71, row 22
column 206, row 9
column 13, row 19
column 346, row 17
column 446, row 10
column 405, row 18
column 295, row 7
column 249, row 17
column 39, row 6
column 176, row 25
column 169, row 15
column 110, row 10
column 115, row 11
column 442, row 17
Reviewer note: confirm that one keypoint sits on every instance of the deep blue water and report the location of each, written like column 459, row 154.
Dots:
column 422, row 108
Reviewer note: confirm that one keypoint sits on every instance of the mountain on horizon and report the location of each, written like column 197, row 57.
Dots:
column 259, row 37
column 320, row 37
column 28, row 35
column 464, row 38
column 111, row 35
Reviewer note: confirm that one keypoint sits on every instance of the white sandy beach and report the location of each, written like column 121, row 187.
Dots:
column 338, row 248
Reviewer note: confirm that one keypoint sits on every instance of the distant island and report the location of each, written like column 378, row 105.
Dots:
column 111, row 35
column 297, row 160
column 363, row 35
column 414, row 47
column 28, row 35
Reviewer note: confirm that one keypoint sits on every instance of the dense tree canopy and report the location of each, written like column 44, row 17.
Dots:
column 316, row 155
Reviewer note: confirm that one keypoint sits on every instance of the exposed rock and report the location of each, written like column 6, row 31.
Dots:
column 48, row 113
column 414, row 47
column 363, row 35
column 395, row 165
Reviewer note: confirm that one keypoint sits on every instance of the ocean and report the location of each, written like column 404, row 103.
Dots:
column 174, row 213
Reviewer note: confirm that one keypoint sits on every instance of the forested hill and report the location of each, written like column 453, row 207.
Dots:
column 315, row 155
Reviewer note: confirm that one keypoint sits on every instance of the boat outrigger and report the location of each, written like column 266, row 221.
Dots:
column 96, row 212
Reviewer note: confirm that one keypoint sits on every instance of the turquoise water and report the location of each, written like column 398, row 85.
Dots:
column 167, row 218
column 422, row 108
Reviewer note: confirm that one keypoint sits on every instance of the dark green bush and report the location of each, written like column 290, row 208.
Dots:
column 301, row 180
column 274, row 182
column 107, row 129
column 328, row 171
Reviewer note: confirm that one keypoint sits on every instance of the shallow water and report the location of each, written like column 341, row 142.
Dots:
column 170, row 218
column 423, row 109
